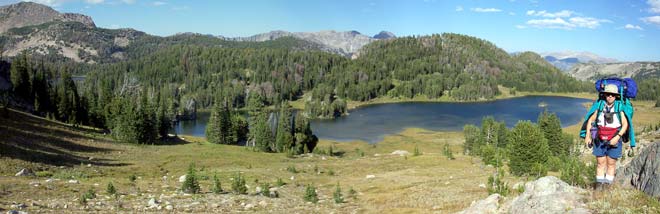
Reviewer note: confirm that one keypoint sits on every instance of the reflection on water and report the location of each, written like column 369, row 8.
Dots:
column 372, row 123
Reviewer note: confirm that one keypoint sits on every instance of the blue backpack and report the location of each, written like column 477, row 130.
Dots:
column 627, row 89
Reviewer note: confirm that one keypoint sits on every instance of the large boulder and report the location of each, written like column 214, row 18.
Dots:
column 545, row 195
column 643, row 172
column 549, row 195
column 486, row 206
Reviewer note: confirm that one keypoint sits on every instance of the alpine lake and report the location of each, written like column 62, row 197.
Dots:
column 372, row 123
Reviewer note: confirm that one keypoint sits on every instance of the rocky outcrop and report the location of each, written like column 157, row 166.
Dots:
column 643, row 172
column 27, row 13
column 628, row 69
column 346, row 43
column 549, row 195
column 486, row 206
column 545, row 195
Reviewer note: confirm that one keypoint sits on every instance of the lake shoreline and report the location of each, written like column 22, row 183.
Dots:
column 387, row 100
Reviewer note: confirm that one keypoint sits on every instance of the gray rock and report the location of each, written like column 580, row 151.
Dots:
column 18, row 206
column 169, row 207
column 16, row 212
column 25, row 172
column 488, row 205
column 153, row 202
column 182, row 178
column 643, row 172
column 549, row 195
column 400, row 152
column 257, row 190
column 273, row 193
column 74, row 181
column 249, row 206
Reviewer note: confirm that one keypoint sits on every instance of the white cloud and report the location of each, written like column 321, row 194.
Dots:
column 94, row 1
column 633, row 27
column 652, row 20
column 159, row 3
column 486, row 10
column 128, row 1
column 543, row 13
column 459, row 8
column 564, row 19
column 521, row 26
column 587, row 22
column 655, row 6
column 557, row 23
column 512, row 13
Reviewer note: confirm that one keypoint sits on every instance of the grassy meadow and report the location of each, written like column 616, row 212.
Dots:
column 426, row 181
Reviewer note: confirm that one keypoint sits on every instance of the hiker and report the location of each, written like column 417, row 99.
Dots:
column 610, row 128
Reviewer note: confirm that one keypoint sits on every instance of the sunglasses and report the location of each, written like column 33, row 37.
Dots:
column 610, row 95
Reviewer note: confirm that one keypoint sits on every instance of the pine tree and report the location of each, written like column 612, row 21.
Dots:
column 527, row 147
column 472, row 139
column 20, row 77
column 219, row 128
column 145, row 123
column 261, row 133
column 551, row 127
column 191, row 184
column 163, row 121
column 284, row 136
column 305, row 141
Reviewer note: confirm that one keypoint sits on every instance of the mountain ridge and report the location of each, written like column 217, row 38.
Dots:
column 28, row 13
column 346, row 43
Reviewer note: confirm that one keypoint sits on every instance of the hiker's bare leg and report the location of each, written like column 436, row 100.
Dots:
column 611, row 166
column 602, row 163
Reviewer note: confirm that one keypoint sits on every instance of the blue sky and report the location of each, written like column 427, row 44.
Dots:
column 627, row 30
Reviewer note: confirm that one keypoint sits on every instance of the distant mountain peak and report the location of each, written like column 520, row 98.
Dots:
column 565, row 60
column 384, row 35
column 28, row 13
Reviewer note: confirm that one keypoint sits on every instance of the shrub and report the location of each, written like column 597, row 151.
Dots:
column 556, row 163
column 352, row 193
column 339, row 198
column 265, row 189
column 111, row 189
column 191, row 184
column 359, row 152
column 217, row 187
column 577, row 173
column 310, row 194
column 238, row 184
column 447, row 152
column 44, row 174
column 90, row 194
column 496, row 185
column 416, row 152
column 279, row 182
column 292, row 169
column 331, row 172
column 132, row 178
column 539, row 170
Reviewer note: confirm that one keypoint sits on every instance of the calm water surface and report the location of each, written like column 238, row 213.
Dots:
column 372, row 123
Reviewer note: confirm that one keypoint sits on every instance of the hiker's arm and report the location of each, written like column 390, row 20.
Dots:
column 624, row 128
column 587, row 138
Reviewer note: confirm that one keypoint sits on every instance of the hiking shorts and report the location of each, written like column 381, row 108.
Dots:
column 602, row 148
